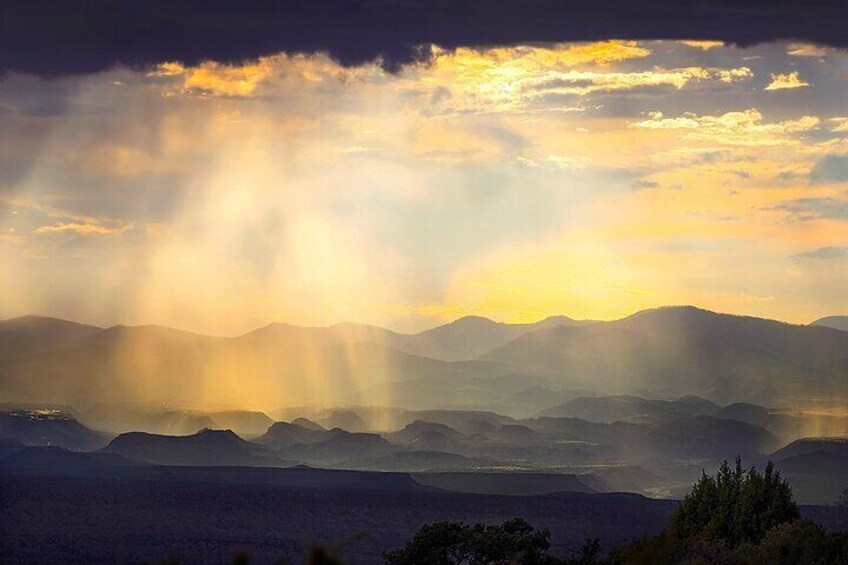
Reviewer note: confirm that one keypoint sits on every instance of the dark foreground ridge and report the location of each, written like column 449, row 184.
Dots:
column 133, row 513
column 96, row 520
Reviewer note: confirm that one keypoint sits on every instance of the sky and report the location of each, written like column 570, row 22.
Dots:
column 591, row 179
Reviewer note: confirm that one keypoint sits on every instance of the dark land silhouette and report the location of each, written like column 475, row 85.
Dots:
column 592, row 430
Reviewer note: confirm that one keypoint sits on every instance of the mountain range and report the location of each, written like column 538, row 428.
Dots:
column 472, row 362
column 676, row 351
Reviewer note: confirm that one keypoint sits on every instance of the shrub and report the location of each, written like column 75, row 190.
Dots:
column 450, row 543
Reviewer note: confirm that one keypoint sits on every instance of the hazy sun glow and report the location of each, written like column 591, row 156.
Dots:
column 586, row 179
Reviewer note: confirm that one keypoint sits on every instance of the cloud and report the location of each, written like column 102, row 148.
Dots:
column 587, row 82
column 550, row 78
column 732, row 75
column 536, row 58
column 786, row 81
column 81, row 229
column 703, row 45
column 321, row 190
column 214, row 78
column 101, row 34
column 563, row 162
column 787, row 176
column 744, row 128
column 825, row 253
column 502, row 79
column 841, row 124
column 830, row 169
column 806, row 50
column 804, row 209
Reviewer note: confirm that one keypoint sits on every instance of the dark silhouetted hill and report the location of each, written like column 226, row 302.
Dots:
column 817, row 468
column 242, row 422
column 413, row 432
column 308, row 424
column 49, row 428
column 283, row 434
column 692, row 437
column 120, row 417
column 207, row 447
column 612, row 408
column 338, row 447
column 833, row 445
column 56, row 461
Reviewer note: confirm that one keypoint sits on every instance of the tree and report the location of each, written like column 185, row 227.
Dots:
column 590, row 553
column 841, row 505
column 515, row 542
column 842, row 499
column 442, row 543
column 735, row 506
column 799, row 543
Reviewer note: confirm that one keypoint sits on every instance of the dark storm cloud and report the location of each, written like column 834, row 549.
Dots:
column 52, row 37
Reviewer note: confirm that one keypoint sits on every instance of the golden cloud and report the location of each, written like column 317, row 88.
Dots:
column 840, row 124
column 704, row 45
column 587, row 82
column 77, row 228
column 507, row 60
column 732, row 75
column 733, row 128
column 483, row 85
column 218, row 79
column 785, row 81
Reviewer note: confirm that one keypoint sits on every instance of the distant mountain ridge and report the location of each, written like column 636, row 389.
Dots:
column 465, row 338
column 835, row 322
column 665, row 352
column 151, row 364
column 28, row 335
column 472, row 336
column 676, row 351
column 617, row 408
